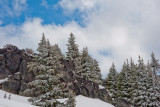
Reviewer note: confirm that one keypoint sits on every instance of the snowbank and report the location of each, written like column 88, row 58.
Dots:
column 82, row 101
column 20, row 101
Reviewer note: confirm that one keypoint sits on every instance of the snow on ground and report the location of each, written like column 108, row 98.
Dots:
column 15, row 101
column 2, row 80
column 82, row 101
column 101, row 87
column 20, row 101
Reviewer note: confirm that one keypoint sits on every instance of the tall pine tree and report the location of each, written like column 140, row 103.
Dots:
column 112, row 81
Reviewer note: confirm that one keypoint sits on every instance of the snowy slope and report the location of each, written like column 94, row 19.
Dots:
column 15, row 101
column 82, row 101
column 20, row 101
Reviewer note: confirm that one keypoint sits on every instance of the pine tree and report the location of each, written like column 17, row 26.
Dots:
column 96, row 72
column 86, row 63
column 123, row 82
column 73, row 53
column 140, row 93
column 47, row 87
column 112, row 81
column 152, row 93
column 72, row 47
column 42, row 44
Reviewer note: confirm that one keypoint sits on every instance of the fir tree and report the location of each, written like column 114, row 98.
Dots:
column 111, row 81
column 86, row 63
column 47, row 87
column 123, row 83
column 42, row 44
column 152, row 94
column 73, row 53
column 140, row 93
column 96, row 72
column 72, row 47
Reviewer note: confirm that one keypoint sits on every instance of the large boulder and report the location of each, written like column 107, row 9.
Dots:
column 13, row 65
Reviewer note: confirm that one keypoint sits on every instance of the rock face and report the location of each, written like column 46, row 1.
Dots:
column 13, row 64
column 83, row 86
column 122, row 103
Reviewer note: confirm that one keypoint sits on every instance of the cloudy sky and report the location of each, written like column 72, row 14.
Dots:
column 113, row 30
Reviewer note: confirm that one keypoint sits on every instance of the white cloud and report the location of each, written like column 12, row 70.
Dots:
column 82, row 5
column 124, row 29
column 12, row 8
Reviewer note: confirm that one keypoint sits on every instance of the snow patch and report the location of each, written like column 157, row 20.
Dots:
column 3, row 80
column 82, row 101
column 101, row 87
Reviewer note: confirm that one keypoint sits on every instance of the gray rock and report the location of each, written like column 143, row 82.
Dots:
column 13, row 62
column 122, row 103
column 12, row 86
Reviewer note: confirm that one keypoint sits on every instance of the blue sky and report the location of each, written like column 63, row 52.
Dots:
column 47, row 10
column 111, row 29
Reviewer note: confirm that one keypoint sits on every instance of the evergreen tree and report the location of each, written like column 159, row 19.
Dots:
column 152, row 94
column 73, row 54
column 123, row 82
column 111, row 81
column 72, row 47
column 96, row 72
column 42, row 44
column 47, row 87
column 86, row 63
column 140, row 92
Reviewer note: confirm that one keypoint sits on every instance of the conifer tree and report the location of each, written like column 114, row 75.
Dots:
column 123, row 82
column 112, row 81
column 140, row 93
column 96, row 72
column 42, row 44
column 152, row 94
column 86, row 63
column 73, row 53
column 72, row 47
column 47, row 87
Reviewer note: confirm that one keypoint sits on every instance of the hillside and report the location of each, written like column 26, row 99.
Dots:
column 20, row 101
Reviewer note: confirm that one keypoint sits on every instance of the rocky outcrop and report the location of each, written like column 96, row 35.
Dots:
column 13, row 64
column 83, row 86
column 122, row 103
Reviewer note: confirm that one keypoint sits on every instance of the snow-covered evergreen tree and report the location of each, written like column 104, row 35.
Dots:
column 89, row 67
column 140, row 96
column 112, row 81
column 42, row 45
column 72, row 47
column 47, row 87
column 123, row 83
column 96, row 72
column 152, row 94
column 86, row 63
column 73, row 53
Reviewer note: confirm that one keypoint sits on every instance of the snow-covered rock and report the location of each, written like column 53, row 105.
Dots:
column 2, row 80
column 101, row 87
